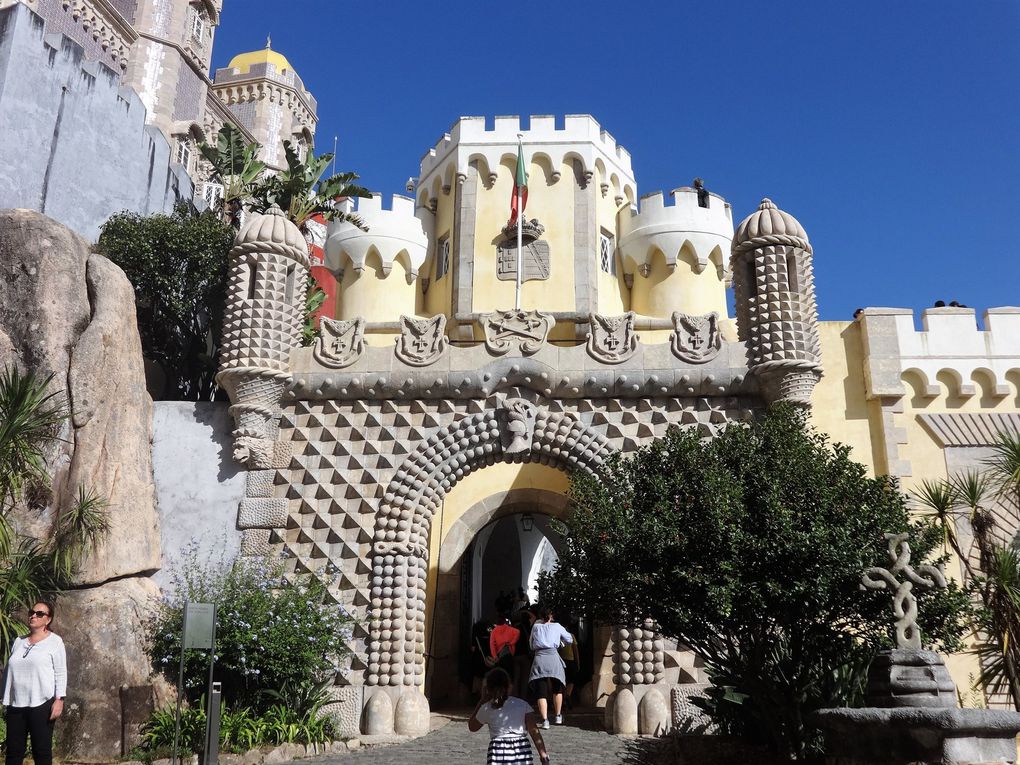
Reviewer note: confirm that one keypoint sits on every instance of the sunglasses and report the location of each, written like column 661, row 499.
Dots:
column 40, row 614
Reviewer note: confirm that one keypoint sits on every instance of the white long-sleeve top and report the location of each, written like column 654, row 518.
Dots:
column 549, row 635
column 36, row 672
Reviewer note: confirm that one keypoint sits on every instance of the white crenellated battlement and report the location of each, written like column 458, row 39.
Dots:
column 949, row 350
column 670, row 225
column 399, row 231
column 581, row 138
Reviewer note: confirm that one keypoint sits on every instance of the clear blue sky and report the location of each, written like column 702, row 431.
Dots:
column 889, row 128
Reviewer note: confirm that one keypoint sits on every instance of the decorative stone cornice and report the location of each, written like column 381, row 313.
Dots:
column 106, row 25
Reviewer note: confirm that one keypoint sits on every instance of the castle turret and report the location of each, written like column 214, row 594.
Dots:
column 674, row 255
column 268, row 268
column 378, row 268
column 777, row 318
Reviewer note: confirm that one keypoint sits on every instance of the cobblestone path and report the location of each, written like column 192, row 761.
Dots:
column 580, row 741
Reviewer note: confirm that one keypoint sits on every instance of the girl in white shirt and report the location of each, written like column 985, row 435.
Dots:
column 547, row 670
column 35, row 682
column 508, row 718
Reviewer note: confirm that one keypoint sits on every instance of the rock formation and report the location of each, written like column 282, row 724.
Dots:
column 70, row 313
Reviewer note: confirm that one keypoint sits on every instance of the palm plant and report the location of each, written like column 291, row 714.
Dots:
column 235, row 165
column 30, row 419
column 994, row 573
column 998, row 623
column 301, row 191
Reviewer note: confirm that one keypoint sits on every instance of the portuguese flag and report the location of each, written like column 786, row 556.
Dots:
column 519, row 200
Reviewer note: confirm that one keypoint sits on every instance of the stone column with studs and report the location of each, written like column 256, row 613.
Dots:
column 268, row 268
column 777, row 317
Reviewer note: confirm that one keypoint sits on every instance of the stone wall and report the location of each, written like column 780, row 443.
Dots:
column 198, row 485
column 68, row 124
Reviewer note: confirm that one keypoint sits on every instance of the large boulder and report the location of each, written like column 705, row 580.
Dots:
column 69, row 313
column 103, row 629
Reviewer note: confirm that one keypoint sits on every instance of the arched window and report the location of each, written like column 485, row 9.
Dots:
column 251, row 273
column 291, row 278
column 749, row 278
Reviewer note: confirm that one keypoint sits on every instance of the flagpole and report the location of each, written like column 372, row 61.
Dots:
column 520, row 233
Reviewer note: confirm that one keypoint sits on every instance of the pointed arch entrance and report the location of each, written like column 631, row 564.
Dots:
column 484, row 551
column 516, row 431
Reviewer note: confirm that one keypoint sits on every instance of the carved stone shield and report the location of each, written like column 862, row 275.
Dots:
column 421, row 341
column 524, row 330
column 611, row 339
column 340, row 343
column 696, row 339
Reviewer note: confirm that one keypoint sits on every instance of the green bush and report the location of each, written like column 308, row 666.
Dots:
column 272, row 634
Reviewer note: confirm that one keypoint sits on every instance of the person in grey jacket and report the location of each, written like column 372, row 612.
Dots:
column 547, row 675
column 35, row 683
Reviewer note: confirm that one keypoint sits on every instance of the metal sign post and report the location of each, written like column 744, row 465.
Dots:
column 212, row 732
column 198, row 631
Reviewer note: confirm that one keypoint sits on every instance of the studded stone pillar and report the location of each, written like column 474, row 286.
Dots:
column 777, row 317
column 268, row 268
column 640, row 703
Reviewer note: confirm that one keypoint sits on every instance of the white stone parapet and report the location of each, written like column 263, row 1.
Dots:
column 398, row 231
column 950, row 346
column 658, row 225
column 581, row 137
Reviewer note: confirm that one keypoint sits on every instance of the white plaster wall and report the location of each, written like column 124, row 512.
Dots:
column 198, row 485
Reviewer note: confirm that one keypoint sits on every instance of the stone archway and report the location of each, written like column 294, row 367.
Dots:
column 515, row 431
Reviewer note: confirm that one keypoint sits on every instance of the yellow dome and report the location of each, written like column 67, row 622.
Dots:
column 245, row 61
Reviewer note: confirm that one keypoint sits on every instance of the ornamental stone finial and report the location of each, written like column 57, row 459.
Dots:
column 904, row 603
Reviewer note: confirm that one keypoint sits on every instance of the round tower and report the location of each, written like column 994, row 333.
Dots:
column 674, row 254
column 377, row 267
column 268, row 268
column 777, row 317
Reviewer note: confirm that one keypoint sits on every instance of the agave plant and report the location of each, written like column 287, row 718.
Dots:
column 301, row 191
column 30, row 419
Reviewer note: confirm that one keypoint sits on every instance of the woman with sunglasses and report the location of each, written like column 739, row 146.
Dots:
column 35, row 683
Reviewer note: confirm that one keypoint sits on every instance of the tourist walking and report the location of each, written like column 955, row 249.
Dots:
column 547, row 667
column 35, row 682
column 503, row 644
column 509, row 719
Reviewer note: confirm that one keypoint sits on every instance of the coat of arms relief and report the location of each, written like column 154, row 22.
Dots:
column 611, row 339
column 696, row 339
column 422, row 341
column 524, row 330
column 340, row 342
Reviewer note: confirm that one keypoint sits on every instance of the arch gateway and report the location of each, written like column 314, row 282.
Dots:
column 427, row 408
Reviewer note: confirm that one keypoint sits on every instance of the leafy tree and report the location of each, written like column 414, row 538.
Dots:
column 236, row 166
column 30, row 420
column 178, row 266
column 990, row 563
column 748, row 548
column 301, row 191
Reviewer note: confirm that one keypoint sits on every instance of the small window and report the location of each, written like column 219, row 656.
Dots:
column 792, row 277
column 291, row 279
column 442, row 257
column 183, row 156
column 607, row 253
column 751, row 281
column 198, row 27
column 251, row 273
column 212, row 193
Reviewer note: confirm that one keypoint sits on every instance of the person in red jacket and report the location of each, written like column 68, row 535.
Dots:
column 503, row 643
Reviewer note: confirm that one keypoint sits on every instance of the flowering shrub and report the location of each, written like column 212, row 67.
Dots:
column 271, row 634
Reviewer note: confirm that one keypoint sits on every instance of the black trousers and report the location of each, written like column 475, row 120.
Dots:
column 23, row 722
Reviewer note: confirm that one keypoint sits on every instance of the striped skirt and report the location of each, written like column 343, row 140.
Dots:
column 510, row 750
